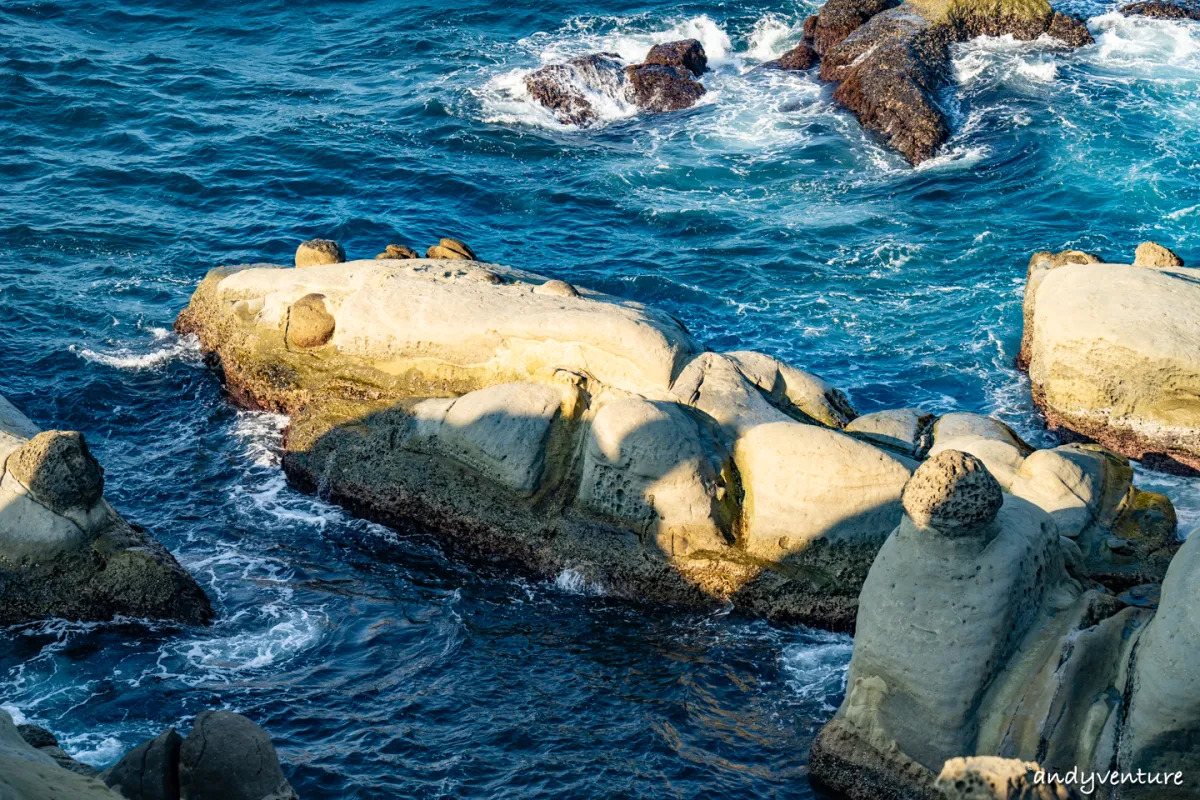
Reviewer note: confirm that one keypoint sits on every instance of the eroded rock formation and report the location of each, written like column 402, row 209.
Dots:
column 530, row 420
column 979, row 655
column 1111, row 351
column 64, row 552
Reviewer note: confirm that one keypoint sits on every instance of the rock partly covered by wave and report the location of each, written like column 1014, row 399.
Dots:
column 890, row 59
column 528, row 420
column 1113, row 352
column 665, row 81
column 982, row 653
column 64, row 552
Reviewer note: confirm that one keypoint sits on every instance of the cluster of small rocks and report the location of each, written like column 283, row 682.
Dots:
column 321, row 252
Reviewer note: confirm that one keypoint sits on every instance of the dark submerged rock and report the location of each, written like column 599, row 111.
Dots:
column 688, row 54
column 658, row 88
column 891, row 64
column 1070, row 30
column 1157, row 9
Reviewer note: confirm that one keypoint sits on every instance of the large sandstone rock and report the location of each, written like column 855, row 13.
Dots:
column 890, row 60
column 319, row 252
column 1162, row 732
column 529, row 420
column 64, row 552
column 1112, row 354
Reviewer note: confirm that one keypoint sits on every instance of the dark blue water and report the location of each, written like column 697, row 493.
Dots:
column 142, row 144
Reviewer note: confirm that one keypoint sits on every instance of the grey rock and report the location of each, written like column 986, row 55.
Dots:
column 58, row 468
column 228, row 757
column 150, row 771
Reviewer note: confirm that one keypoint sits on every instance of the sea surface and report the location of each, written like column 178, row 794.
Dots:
column 142, row 144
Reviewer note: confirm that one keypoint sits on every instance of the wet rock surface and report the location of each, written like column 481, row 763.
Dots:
column 665, row 81
column 890, row 60
column 1160, row 10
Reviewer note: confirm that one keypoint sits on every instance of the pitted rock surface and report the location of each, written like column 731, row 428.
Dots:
column 952, row 492
column 60, row 471
column 1153, row 254
column 319, row 252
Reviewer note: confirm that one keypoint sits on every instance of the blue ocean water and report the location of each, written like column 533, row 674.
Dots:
column 143, row 143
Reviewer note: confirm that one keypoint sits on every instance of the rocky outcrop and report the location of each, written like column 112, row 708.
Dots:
column 1111, row 351
column 889, row 60
column 64, row 552
column 1152, row 254
column 225, row 757
column 1161, row 10
column 529, row 420
column 665, row 81
column 979, row 655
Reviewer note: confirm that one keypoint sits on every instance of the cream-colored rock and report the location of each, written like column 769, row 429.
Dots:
column 1164, row 710
column 833, row 487
column 1001, row 458
column 309, row 322
column 961, row 424
column 319, row 252
column 557, row 288
column 714, row 384
column 791, row 387
column 1152, row 254
column 467, row 326
column 645, row 463
column 1078, row 486
column 15, row 430
column 1114, row 354
column 1040, row 265
column 907, row 431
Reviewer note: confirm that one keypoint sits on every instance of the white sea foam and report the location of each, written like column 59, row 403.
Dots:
column 1144, row 43
column 816, row 670
column 17, row 717
column 170, row 347
column 572, row 581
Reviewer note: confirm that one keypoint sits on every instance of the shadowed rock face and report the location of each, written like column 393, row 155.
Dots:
column 64, row 552
column 539, row 423
column 890, row 60
column 978, row 656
